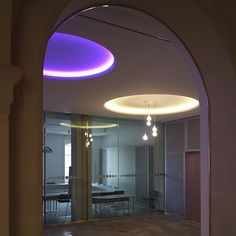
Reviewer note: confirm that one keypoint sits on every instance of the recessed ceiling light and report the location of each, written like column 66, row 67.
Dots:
column 159, row 104
column 71, row 57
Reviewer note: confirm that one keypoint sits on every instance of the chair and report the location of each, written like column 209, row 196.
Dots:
column 64, row 198
column 152, row 199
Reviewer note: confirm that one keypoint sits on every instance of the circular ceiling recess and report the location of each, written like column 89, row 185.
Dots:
column 93, row 126
column 152, row 104
column 70, row 57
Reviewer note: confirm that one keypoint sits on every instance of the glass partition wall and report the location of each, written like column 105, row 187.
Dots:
column 56, row 168
column 99, row 168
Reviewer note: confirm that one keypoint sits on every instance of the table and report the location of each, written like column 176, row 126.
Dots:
column 112, row 198
column 108, row 192
column 57, row 187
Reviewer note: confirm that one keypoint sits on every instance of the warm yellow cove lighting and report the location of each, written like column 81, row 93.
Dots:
column 105, row 126
column 158, row 104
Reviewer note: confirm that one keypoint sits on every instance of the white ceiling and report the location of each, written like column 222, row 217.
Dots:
column 143, row 65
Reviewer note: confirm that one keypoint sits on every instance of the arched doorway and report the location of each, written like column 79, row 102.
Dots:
column 27, row 57
column 196, row 76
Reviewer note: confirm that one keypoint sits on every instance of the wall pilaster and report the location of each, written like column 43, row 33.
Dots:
column 8, row 78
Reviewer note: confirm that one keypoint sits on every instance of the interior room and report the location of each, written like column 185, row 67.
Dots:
column 80, row 155
column 114, row 144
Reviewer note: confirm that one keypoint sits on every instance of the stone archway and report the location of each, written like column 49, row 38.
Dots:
column 29, row 43
column 73, row 8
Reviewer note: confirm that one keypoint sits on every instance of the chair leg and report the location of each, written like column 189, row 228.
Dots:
column 66, row 209
column 58, row 209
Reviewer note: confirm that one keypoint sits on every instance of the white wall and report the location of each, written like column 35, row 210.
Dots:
column 112, row 166
column 126, row 164
column 55, row 161
column 96, row 146
column 130, row 134
column 128, row 137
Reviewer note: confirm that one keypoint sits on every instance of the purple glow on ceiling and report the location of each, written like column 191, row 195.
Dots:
column 70, row 57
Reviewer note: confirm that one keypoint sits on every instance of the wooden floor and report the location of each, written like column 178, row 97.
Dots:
column 148, row 224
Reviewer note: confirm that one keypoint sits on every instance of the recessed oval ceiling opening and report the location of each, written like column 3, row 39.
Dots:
column 70, row 57
column 94, row 126
column 152, row 104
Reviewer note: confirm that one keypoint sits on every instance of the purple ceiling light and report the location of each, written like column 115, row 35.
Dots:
column 70, row 57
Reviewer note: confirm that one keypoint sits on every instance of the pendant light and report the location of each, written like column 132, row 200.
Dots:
column 89, row 136
column 149, row 118
column 145, row 137
column 154, row 129
column 148, row 122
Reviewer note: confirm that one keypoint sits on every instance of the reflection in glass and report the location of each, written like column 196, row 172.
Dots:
column 118, row 174
column 57, row 164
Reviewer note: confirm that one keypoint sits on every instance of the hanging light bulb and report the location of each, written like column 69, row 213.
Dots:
column 149, row 118
column 145, row 137
column 154, row 134
column 154, row 128
column 154, row 131
column 86, row 134
column 87, row 143
column 91, row 139
column 90, row 135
